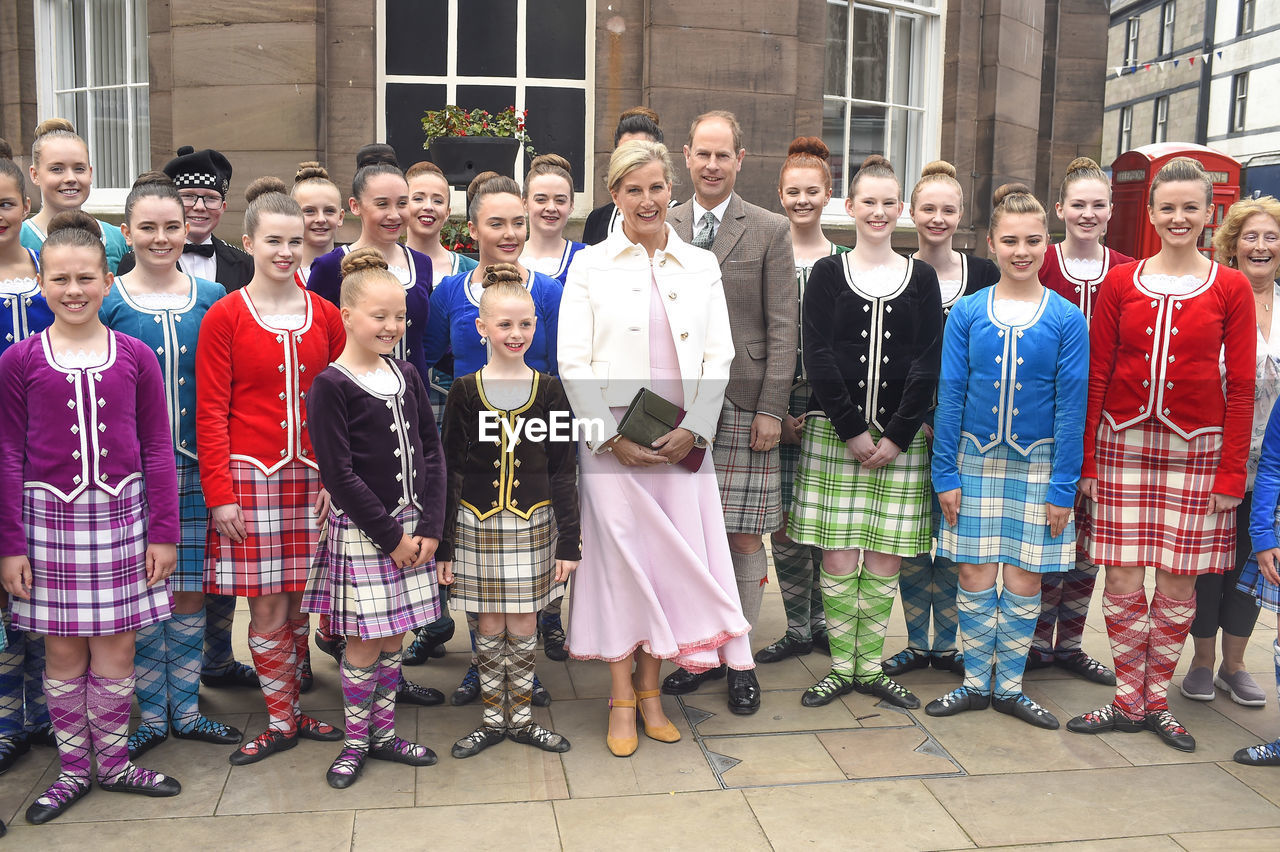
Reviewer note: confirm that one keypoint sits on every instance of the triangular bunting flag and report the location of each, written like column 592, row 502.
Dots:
column 1204, row 57
column 1191, row 60
column 1219, row 54
column 1146, row 66
column 1160, row 65
column 1175, row 62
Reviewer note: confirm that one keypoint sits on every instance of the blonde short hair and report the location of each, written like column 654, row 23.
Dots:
column 635, row 153
column 1227, row 238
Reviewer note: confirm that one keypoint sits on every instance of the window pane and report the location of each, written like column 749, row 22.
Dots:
column 406, row 102
column 905, row 144
column 74, row 107
column 417, row 37
column 486, row 38
column 866, row 132
column 142, row 129
column 837, row 49
column 140, row 73
column 908, row 60
column 68, row 23
column 555, row 39
column 106, row 37
column 833, row 113
column 556, row 126
column 109, row 138
column 870, row 54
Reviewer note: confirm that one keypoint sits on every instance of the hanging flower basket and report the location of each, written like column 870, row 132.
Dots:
column 464, row 143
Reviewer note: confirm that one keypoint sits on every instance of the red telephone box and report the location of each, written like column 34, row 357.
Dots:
column 1130, row 230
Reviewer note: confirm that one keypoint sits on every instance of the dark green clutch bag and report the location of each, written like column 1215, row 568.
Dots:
column 649, row 417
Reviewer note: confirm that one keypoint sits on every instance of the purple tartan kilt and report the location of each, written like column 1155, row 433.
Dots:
column 88, row 564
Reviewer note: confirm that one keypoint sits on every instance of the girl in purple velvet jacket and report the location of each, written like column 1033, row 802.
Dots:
column 88, row 513
column 374, row 574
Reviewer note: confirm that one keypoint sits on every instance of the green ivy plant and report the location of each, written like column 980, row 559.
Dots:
column 456, row 121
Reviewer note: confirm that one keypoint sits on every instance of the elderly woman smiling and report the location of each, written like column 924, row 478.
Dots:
column 644, row 309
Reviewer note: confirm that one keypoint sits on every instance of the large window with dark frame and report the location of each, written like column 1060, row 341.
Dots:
column 1168, row 12
column 489, row 54
column 1160, row 126
column 1245, row 21
column 1125, row 141
column 1239, row 100
column 1131, row 41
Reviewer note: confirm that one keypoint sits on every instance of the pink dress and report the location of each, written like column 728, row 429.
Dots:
column 655, row 572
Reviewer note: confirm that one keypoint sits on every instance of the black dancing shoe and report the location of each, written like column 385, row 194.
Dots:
column 539, row 697
column 262, row 746
column 947, row 661
column 206, row 730
column 418, row 652
column 790, row 645
column 398, row 750
column 477, row 741
column 409, row 692
column 683, row 681
column 1108, row 718
column 42, row 735
column 236, row 674
column 64, row 793
column 552, row 632
column 1039, row 658
column 1169, row 729
column 346, row 767
column 1265, row 754
column 144, row 739
column 143, row 782
column 306, row 678
column 1021, row 707
column 331, row 645
column 744, row 692
column 887, row 689
column 826, row 690
column 821, row 640
column 310, row 728
column 469, row 689
column 539, row 737
column 12, row 748
column 906, row 660
column 1079, row 663
column 958, row 700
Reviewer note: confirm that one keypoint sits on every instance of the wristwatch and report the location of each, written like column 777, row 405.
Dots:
column 699, row 441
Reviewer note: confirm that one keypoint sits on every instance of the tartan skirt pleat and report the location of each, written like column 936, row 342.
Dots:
column 840, row 505
column 276, row 554
column 1002, row 511
column 1153, row 502
column 504, row 563
column 750, row 482
column 194, row 517
column 362, row 590
column 1252, row 582
column 89, row 564
column 789, row 454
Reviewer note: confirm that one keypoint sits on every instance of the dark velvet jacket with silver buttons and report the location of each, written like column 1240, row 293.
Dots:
column 487, row 477
column 872, row 361
column 378, row 453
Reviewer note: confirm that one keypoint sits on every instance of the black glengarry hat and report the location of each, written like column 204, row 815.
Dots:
column 206, row 169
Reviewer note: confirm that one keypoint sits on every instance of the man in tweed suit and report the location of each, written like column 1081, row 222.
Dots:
column 758, row 270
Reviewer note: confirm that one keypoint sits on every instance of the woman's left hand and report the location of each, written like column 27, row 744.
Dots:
column 1057, row 517
column 674, row 445
column 886, row 452
column 1222, row 503
column 161, row 560
column 426, row 549
column 321, row 510
column 565, row 567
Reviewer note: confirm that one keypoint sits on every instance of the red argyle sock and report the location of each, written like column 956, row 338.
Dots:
column 1127, row 628
column 275, row 658
column 1170, row 622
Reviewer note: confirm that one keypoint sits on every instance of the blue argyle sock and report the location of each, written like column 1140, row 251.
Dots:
column 943, row 589
column 914, row 583
column 151, row 681
column 976, row 620
column 11, row 682
column 1016, row 625
column 184, row 636
column 37, row 708
column 220, row 611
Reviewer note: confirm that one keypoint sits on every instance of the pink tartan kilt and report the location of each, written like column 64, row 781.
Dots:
column 1153, row 502
column 276, row 555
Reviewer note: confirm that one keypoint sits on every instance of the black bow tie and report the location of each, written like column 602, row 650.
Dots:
column 202, row 249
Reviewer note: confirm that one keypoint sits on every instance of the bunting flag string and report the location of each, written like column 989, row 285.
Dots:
column 1173, row 62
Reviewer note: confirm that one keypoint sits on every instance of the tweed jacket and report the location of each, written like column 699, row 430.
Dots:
column 758, row 269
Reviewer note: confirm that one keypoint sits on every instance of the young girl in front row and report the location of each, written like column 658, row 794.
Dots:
column 379, row 453
column 872, row 323
column 1008, row 436
column 260, row 349
column 88, row 513
column 501, row 536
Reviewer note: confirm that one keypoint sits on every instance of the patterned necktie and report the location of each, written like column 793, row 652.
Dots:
column 706, row 234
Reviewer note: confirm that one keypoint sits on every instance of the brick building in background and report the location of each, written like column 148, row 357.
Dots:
column 1005, row 89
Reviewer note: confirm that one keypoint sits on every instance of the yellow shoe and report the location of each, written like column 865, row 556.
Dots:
column 667, row 733
column 619, row 746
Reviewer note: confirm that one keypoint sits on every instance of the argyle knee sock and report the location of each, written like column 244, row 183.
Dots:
column 491, row 667
column 151, row 676
column 917, row 598
column 107, row 704
column 36, row 711
column 183, row 635
column 945, row 579
column 382, row 715
column 275, row 659
column 358, row 686
column 840, row 601
column 473, row 627
column 875, row 603
column 301, row 630
column 69, row 716
column 817, row 615
column 1073, row 609
column 11, row 678
column 1128, row 628
column 1170, row 622
column 977, row 618
column 519, row 665
column 795, row 582
column 1014, row 627
column 750, row 569
column 220, row 611
column 1050, row 597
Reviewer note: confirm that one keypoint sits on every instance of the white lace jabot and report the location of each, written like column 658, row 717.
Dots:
column 1082, row 269
column 400, row 272
column 1171, row 285
column 161, row 301
column 80, row 360
column 1014, row 311
column 285, row 322
column 380, row 381
column 880, row 281
column 17, row 286
column 950, row 289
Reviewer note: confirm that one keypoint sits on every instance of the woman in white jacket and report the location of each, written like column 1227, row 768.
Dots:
column 644, row 309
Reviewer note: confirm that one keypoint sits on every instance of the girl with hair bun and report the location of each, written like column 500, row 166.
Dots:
column 1006, row 457
column 548, row 203
column 1075, row 269
column 379, row 452
column 61, row 172
column 1166, row 445
column 24, row 718
column 872, row 327
column 804, row 188
column 508, row 546
column 259, row 351
column 928, row 582
column 429, row 196
column 88, row 504
column 163, row 307
column 322, row 212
